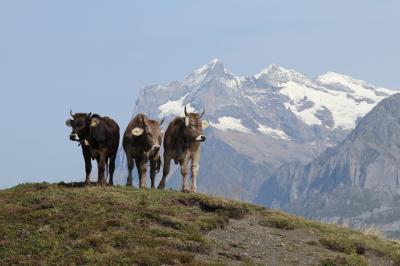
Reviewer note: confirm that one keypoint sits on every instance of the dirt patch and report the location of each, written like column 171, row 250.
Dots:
column 249, row 241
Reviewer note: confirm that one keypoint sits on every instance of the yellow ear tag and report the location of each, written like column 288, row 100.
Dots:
column 205, row 123
column 93, row 123
column 137, row 131
column 86, row 142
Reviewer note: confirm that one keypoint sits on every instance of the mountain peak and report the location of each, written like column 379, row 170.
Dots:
column 213, row 68
column 334, row 77
column 214, row 65
column 275, row 73
column 272, row 68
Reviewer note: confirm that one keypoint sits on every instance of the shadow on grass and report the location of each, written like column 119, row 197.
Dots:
column 80, row 184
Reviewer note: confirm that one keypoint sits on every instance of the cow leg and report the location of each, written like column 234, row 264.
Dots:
column 167, row 162
column 88, row 165
column 142, row 169
column 101, row 166
column 184, row 173
column 153, row 171
column 131, row 164
column 195, row 170
column 158, row 165
column 112, row 168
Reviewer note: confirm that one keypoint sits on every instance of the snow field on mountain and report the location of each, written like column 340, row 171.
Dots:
column 230, row 123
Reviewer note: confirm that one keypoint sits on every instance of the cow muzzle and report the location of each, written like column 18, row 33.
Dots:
column 155, row 148
column 201, row 138
column 74, row 137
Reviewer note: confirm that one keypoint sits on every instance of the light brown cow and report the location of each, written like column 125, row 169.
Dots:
column 182, row 144
column 141, row 142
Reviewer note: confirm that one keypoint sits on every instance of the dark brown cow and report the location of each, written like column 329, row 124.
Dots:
column 99, row 138
column 182, row 143
column 141, row 142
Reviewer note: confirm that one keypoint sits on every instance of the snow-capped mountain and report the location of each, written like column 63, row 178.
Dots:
column 259, row 122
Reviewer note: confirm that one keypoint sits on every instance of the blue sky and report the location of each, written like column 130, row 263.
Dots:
column 94, row 56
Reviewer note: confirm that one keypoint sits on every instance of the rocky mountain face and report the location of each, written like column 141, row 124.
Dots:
column 258, row 123
column 355, row 183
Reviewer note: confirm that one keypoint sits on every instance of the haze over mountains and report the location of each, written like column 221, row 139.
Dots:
column 262, row 125
column 356, row 183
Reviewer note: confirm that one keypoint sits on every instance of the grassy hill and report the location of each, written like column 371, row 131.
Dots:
column 42, row 224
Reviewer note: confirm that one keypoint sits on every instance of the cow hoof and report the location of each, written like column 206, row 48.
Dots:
column 186, row 190
column 193, row 190
column 128, row 184
column 161, row 186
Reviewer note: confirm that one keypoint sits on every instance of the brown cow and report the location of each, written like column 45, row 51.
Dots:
column 99, row 138
column 182, row 143
column 141, row 142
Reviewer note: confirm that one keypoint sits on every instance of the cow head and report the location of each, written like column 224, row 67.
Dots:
column 148, row 135
column 80, row 124
column 194, row 126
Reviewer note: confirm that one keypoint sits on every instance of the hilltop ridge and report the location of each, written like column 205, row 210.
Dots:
column 75, row 224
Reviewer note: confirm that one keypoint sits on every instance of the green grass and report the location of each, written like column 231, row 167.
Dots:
column 57, row 224
column 352, row 260
column 280, row 220
column 335, row 238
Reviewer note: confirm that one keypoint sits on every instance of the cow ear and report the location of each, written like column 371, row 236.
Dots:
column 187, row 121
column 68, row 123
column 205, row 123
column 162, row 132
column 137, row 131
column 94, row 122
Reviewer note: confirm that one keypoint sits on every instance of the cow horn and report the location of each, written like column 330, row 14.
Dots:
column 162, row 121
column 186, row 114
column 89, row 114
column 204, row 111
column 70, row 113
column 144, row 123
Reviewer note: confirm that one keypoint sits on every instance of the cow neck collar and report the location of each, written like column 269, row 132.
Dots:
column 84, row 142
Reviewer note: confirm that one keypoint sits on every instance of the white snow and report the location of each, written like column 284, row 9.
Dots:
column 345, row 110
column 175, row 107
column 251, row 99
column 390, row 92
column 361, row 88
column 233, row 83
column 345, row 107
column 274, row 74
column 230, row 123
column 199, row 75
column 207, row 67
column 275, row 133
column 306, row 96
